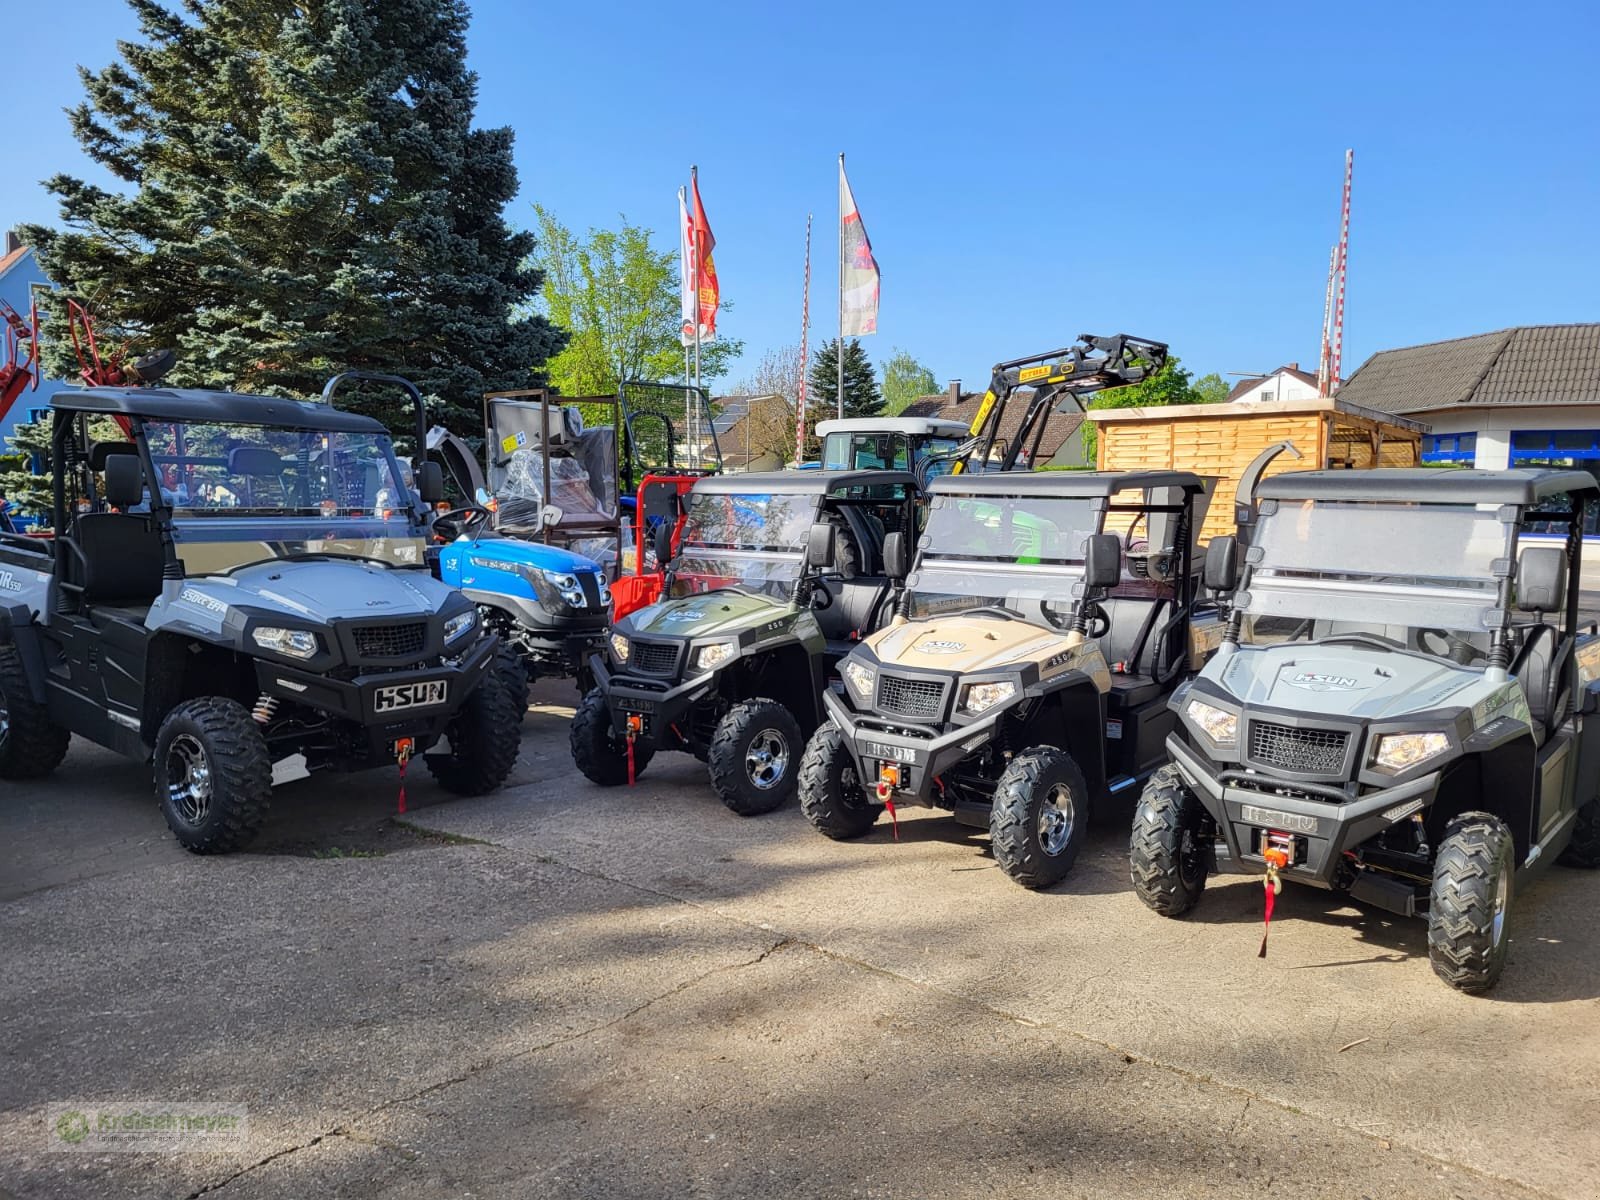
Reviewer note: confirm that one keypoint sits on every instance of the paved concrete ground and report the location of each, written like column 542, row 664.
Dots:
column 635, row 993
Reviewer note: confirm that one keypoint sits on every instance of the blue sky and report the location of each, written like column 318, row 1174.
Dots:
column 1031, row 172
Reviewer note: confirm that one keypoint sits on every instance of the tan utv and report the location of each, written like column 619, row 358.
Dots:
column 1025, row 678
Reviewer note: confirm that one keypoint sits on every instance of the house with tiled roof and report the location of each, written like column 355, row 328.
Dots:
column 1288, row 382
column 1525, row 396
column 1061, row 445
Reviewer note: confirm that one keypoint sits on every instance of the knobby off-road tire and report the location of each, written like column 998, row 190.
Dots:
column 1470, row 908
column 1032, row 844
column 1166, row 859
column 213, row 775
column 485, row 739
column 831, row 795
column 518, row 680
column 755, row 757
column 1584, row 848
column 31, row 745
column 600, row 753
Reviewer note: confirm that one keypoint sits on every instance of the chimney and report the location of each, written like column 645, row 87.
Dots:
column 1294, row 366
column 13, row 242
column 953, row 393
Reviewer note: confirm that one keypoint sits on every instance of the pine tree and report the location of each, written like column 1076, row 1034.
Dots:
column 306, row 195
column 28, row 493
column 861, row 395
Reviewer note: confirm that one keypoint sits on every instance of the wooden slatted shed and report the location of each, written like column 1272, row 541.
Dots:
column 1221, row 439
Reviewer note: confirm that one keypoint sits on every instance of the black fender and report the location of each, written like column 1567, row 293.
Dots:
column 18, row 627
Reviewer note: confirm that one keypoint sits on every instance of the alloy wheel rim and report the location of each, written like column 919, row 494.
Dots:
column 5, row 722
column 189, row 778
column 1497, row 923
column 1057, row 815
column 766, row 759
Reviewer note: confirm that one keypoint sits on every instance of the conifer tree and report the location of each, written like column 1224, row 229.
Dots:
column 861, row 395
column 306, row 194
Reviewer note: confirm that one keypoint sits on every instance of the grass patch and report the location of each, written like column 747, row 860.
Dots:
column 441, row 839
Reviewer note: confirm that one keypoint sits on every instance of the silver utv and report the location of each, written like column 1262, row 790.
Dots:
column 1404, row 708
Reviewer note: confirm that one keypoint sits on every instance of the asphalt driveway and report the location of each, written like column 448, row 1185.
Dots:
column 564, row 991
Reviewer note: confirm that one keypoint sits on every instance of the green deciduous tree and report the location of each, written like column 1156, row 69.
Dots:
column 1170, row 385
column 904, row 379
column 861, row 395
column 306, row 194
column 617, row 298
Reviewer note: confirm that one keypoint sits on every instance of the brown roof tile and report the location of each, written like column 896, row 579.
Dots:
column 1058, row 429
column 1529, row 364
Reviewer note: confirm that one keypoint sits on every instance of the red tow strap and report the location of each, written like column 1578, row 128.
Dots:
column 1271, row 885
column 630, row 758
column 886, row 795
column 403, row 756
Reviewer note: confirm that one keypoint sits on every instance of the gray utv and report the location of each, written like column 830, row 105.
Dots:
column 1403, row 710
column 778, row 575
column 236, row 590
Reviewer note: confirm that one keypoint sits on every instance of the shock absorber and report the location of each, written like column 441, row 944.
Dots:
column 266, row 708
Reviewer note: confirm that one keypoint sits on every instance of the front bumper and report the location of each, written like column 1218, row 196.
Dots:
column 662, row 708
column 921, row 760
column 367, row 700
column 1325, row 828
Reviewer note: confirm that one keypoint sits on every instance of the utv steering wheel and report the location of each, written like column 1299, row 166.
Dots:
column 457, row 521
column 1457, row 650
column 1096, row 621
column 821, row 597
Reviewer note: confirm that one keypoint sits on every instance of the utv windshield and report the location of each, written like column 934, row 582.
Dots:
column 244, row 493
column 752, row 540
column 881, row 451
column 977, row 547
column 1368, row 564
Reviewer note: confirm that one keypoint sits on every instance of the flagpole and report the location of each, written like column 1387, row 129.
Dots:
column 688, row 281
column 694, row 176
column 805, row 326
column 839, row 346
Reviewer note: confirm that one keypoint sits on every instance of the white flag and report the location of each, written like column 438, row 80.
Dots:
column 858, row 270
column 686, row 273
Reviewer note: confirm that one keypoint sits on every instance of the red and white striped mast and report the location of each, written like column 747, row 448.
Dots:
column 1337, row 358
column 1325, row 358
column 805, row 325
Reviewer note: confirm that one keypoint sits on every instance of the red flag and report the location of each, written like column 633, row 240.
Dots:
column 706, row 286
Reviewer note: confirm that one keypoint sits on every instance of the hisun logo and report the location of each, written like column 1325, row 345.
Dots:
column 9, row 582
column 1316, row 681
column 686, row 614
column 933, row 646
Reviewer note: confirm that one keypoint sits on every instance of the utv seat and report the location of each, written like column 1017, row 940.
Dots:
column 1135, row 624
column 122, row 559
column 854, row 611
column 1545, row 657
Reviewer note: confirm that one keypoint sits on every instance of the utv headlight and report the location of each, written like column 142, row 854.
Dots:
column 293, row 643
column 860, row 678
column 458, row 625
column 713, row 656
column 1220, row 726
column 620, row 648
column 1398, row 751
column 981, row 697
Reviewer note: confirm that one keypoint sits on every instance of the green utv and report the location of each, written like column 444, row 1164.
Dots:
column 778, row 576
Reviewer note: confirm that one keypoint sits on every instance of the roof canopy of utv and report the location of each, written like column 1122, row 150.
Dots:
column 1423, row 485
column 222, row 408
column 799, row 483
column 1063, row 483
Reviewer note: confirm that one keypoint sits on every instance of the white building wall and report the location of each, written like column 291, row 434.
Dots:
column 1281, row 386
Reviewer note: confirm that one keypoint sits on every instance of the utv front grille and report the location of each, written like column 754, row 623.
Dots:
column 655, row 658
column 391, row 641
column 910, row 697
column 1313, row 751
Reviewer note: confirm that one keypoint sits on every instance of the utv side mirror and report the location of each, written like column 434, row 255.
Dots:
column 1541, row 579
column 1222, row 569
column 819, row 546
column 896, row 561
column 430, row 482
column 124, row 480
column 663, row 543
column 1102, row 561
